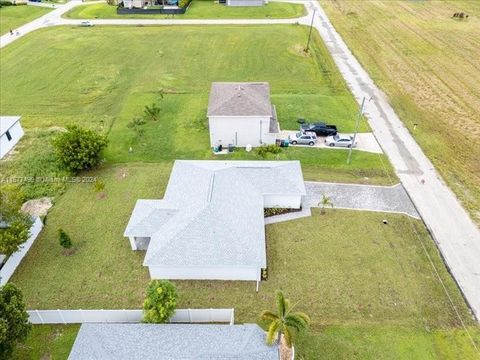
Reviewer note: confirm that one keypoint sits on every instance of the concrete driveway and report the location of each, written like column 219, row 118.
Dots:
column 365, row 142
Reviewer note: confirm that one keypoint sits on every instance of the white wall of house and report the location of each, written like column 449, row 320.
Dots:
column 246, row 2
column 204, row 273
column 9, row 139
column 282, row 201
column 240, row 130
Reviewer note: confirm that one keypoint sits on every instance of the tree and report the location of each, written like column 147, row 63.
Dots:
column 160, row 303
column 14, row 325
column 64, row 239
column 152, row 112
column 14, row 225
column 14, row 234
column 11, row 200
column 286, row 322
column 136, row 124
column 79, row 149
column 324, row 202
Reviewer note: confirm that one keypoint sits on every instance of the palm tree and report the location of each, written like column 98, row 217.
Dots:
column 286, row 322
column 326, row 201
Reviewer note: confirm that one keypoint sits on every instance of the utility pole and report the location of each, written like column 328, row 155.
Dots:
column 310, row 32
column 360, row 114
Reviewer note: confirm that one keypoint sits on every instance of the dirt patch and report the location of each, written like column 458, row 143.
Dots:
column 299, row 50
column 37, row 207
column 69, row 252
column 121, row 173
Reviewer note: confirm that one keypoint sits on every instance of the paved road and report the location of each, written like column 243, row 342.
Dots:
column 362, row 197
column 457, row 236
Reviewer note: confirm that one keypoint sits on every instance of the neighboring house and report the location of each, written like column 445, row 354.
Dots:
column 210, row 223
column 10, row 133
column 246, row 2
column 172, row 342
column 241, row 114
column 142, row 3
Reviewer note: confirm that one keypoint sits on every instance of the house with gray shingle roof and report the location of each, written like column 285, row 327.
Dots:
column 172, row 342
column 10, row 133
column 241, row 114
column 210, row 223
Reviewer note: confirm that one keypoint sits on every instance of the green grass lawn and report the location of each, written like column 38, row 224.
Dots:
column 47, row 342
column 101, row 86
column 368, row 287
column 11, row 17
column 199, row 9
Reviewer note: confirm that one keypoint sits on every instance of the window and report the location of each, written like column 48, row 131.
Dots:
column 9, row 137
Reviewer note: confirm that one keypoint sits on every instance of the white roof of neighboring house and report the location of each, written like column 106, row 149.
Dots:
column 212, row 212
column 6, row 122
column 240, row 99
column 172, row 342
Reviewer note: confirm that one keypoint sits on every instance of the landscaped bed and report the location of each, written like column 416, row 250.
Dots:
column 198, row 9
column 352, row 273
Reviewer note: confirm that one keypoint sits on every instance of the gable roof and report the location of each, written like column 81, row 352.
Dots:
column 6, row 122
column 172, row 342
column 240, row 99
column 207, row 204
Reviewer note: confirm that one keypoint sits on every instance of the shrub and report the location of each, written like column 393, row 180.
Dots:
column 14, row 325
column 152, row 112
column 264, row 150
column 79, row 149
column 160, row 303
column 184, row 3
column 98, row 185
column 64, row 239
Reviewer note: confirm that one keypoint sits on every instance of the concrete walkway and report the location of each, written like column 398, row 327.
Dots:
column 458, row 238
column 362, row 197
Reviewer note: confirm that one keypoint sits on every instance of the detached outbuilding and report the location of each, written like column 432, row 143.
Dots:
column 241, row 114
column 10, row 133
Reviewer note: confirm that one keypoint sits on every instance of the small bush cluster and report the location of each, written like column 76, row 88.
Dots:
column 160, row 303
column 264, row 150
column 79, row 149
column 64, row 239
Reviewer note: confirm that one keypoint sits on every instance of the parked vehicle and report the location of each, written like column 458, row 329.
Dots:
column 303, row 138
column 86, row 23
column 339, row 140
column 320, row 128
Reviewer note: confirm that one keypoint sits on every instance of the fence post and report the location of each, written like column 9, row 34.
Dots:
column 41, row 319
column 189, row 316
column 61, row 316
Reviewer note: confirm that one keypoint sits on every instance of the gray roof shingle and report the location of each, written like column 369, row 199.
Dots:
column 172, row 342
column 207, row 204
column 240, row 99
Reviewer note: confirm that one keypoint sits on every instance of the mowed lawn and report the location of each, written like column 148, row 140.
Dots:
column 11, row 17
column 368, row 287
column 100, row 85
column 427, row 63
column 198, row 9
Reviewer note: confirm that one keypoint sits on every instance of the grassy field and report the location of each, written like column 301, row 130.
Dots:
column 11, row 17
column 199, row 9
column 51, row 342
column 427, row 63
column 368, row 278
column 101, row 86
